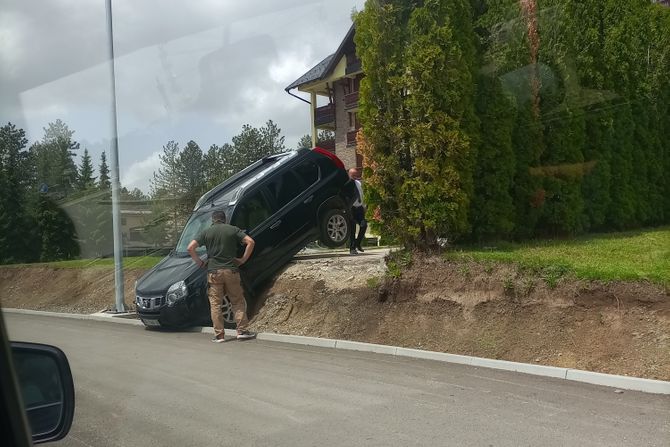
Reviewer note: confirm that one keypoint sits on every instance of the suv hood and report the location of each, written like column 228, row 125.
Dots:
column 167, row 272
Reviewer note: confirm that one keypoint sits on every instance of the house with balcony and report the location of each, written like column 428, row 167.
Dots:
column 333, row 86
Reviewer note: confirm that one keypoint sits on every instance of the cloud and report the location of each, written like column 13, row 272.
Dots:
column 140, row 173
column 184, row 70
column 290, row 65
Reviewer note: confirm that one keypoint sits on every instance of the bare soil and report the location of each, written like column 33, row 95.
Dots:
column 487, row 310
column 493, row 311
column 82, row 291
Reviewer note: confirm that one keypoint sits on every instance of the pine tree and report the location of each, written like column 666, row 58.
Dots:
column 492, row 205
column 190, row 175
column 13, row 211
column 54, row 156
column 169, row 216
column 305, row 142
column 86, row 180
column 104, row 182
column 58, row 235
column 218, row 164
column 254, row 143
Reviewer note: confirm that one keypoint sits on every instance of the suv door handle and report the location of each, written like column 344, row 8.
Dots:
column 275, row 225
column 308, row 199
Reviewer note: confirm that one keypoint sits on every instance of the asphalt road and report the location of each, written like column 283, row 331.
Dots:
column 141, row 388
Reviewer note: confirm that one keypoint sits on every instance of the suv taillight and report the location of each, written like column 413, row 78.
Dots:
column 330, row 155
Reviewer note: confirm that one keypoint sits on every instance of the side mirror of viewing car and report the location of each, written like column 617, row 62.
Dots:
column 47, row 389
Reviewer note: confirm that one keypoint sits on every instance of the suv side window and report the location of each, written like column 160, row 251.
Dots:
column 252, row 211
column 285, row 188
column 308, row 171
column 290, row 184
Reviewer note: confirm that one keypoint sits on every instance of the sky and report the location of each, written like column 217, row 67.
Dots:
column 195, row 70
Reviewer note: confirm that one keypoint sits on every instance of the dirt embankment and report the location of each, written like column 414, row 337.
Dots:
column 493, row 311
column 82, row 291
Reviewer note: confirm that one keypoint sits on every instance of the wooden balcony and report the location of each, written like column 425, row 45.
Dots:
column 324, row 116
column 351, row 138
column 351, row 101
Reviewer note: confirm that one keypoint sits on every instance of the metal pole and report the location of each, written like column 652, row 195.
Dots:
column 114, row 169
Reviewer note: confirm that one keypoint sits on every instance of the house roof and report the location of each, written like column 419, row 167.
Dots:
column 326, row 66
column 315, row 73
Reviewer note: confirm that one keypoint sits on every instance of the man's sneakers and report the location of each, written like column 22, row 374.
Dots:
column 359, row 248
column 353, row 251
column 246, row 335
column 242, row 335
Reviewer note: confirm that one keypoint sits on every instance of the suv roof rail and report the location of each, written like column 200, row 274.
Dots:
column 240, row 176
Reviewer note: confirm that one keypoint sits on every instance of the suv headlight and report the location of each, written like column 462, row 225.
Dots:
column 176, row 292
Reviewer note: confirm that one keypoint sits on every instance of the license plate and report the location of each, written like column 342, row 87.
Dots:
column 151, row 323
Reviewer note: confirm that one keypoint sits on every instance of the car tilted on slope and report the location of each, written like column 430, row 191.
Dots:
column 283, row 202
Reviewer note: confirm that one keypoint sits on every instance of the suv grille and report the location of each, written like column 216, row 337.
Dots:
column 149, row 303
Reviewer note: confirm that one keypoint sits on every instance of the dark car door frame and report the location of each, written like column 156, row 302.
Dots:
column 258, row 265
column 14, row 428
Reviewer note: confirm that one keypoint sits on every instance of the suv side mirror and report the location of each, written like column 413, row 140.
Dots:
column 47, row 389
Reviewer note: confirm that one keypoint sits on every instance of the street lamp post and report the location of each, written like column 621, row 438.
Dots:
column 114, row 169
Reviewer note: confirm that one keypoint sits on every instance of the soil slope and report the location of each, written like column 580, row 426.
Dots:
column 482, row 310
column 487, row 310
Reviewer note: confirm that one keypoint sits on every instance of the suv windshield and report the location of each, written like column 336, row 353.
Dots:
column 195, row 225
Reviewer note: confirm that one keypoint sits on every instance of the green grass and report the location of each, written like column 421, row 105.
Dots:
column 144, row 262
column 638, row 255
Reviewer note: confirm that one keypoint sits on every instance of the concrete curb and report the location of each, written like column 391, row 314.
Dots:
column 94, row 317
column 575, row 375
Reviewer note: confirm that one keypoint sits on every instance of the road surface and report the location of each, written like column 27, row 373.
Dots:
column 142, row 388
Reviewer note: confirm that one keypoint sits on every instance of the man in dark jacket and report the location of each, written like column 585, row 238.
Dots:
column 357, row 215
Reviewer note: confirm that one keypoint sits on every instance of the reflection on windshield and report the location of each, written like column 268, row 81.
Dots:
column 195, row 225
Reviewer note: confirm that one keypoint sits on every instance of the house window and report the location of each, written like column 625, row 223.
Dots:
column 351, row 85
column 353, row 121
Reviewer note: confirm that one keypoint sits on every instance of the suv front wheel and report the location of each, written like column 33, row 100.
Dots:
column 334, row 228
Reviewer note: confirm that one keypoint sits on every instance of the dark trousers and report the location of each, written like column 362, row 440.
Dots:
column 357, row 217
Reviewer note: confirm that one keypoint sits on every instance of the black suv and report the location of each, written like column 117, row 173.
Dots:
column 283, row 202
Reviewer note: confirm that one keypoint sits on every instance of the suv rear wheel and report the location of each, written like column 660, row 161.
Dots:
column 334, row 228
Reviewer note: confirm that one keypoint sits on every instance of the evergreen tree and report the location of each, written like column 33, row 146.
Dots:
column 324, row 137
column 417, row 113
column 253, row 143
column 218, row 164
column 305, row 142
column 492, row 205
column 14, row 228
column 57, row 231
column 54, row 156
column 104, row 181
column 169, row 215
column 190, row 175
column 86, row 180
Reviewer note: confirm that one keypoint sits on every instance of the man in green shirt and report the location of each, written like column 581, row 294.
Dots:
column 223, row 276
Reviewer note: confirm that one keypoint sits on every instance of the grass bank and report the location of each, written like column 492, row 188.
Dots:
column 144, row 262
column 634, row 255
